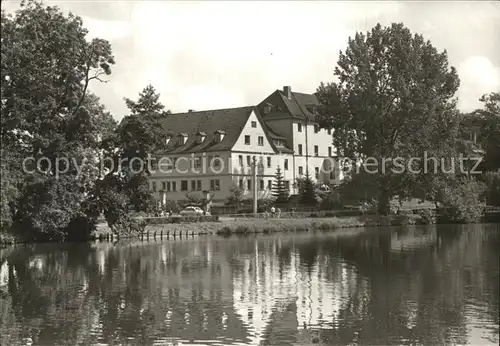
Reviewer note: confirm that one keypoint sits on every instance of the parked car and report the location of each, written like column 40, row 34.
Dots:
column 191, row 211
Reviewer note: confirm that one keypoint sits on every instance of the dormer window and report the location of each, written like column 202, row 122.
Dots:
column 267, row 108
column 312, row 109
column 167, row 139
column 200, row 137
column 182, row 139
column 219, row 135
column 279, row 143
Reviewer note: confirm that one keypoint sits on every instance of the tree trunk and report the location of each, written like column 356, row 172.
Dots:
column 384, row 199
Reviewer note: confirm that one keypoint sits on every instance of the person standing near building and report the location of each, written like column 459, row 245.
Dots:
column 273, row 211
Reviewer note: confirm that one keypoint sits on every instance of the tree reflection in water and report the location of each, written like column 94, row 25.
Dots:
column 395, row 286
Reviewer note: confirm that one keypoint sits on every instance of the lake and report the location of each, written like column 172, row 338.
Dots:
column 394, row 286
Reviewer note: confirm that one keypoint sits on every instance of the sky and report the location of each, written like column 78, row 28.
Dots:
column 221, row 54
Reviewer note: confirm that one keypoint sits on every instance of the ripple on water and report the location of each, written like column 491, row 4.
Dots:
column 424, row 287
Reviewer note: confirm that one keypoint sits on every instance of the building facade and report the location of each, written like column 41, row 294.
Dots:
column 208, row 152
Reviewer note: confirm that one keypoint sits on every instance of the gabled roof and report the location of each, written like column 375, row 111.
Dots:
column 270, row 136
column 231, row 121
column 274, row 135
column 298, row 105
column 305, row 100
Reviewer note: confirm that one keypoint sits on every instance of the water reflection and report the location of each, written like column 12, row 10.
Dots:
column 393, row 286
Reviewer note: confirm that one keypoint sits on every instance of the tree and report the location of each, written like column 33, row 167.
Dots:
column 391, row 85
column 47, row 67
column 279, row 191
column 235, row 196
column 307, row 190
column 141, row 133
column 137, row 138
column 490, row 131
column 492, row 182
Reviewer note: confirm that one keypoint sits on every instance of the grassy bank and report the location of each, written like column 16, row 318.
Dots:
column 231, row 226
column 309, row 224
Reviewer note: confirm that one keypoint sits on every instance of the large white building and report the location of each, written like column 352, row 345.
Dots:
column 210, row 151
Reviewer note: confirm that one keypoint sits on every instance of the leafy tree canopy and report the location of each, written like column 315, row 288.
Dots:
column 391, row 85
column 47, row 66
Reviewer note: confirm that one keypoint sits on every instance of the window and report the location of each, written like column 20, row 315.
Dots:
column 168, row 186
column 261, row 140
column 182, row 139
column 164, row 186
column 165, row 163
column 300, row 149
column 247, row 139
column 286, row 164
column 316, row 150
column 218, row 137
column 174, row 186
column 316, row 128
column 193, row 185
column 254, row 124
column 299, row 127
column 262, row 184
column 153, row 186
column 240, row 160
column 184, row 185
column 269, row 184
column 215, row 185
column 200, row 137
column 241, row 184
column 316, row 172
column 329, row 151
column 268, row 162
column 154, row 164
column 329, row 131
column 196, row 162
column 301, row 170
column 198, row 185
column 249, row 184
column 249, row 160
column 216, row 161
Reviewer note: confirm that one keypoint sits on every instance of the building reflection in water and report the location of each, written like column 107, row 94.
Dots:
column 395, row 286
column 264, row 286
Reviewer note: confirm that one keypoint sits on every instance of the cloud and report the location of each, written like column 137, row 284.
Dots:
column 478, row 76
column 240, row 51
column 218, row 54
column 106, row 29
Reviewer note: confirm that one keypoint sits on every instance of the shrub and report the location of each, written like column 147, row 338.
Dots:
column 403, row 220
column 427, row 216
column 181, row 219
column 462, row 202
column 80, row 228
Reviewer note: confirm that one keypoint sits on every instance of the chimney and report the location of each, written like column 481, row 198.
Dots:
column 287, row 90
column 191, row 111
